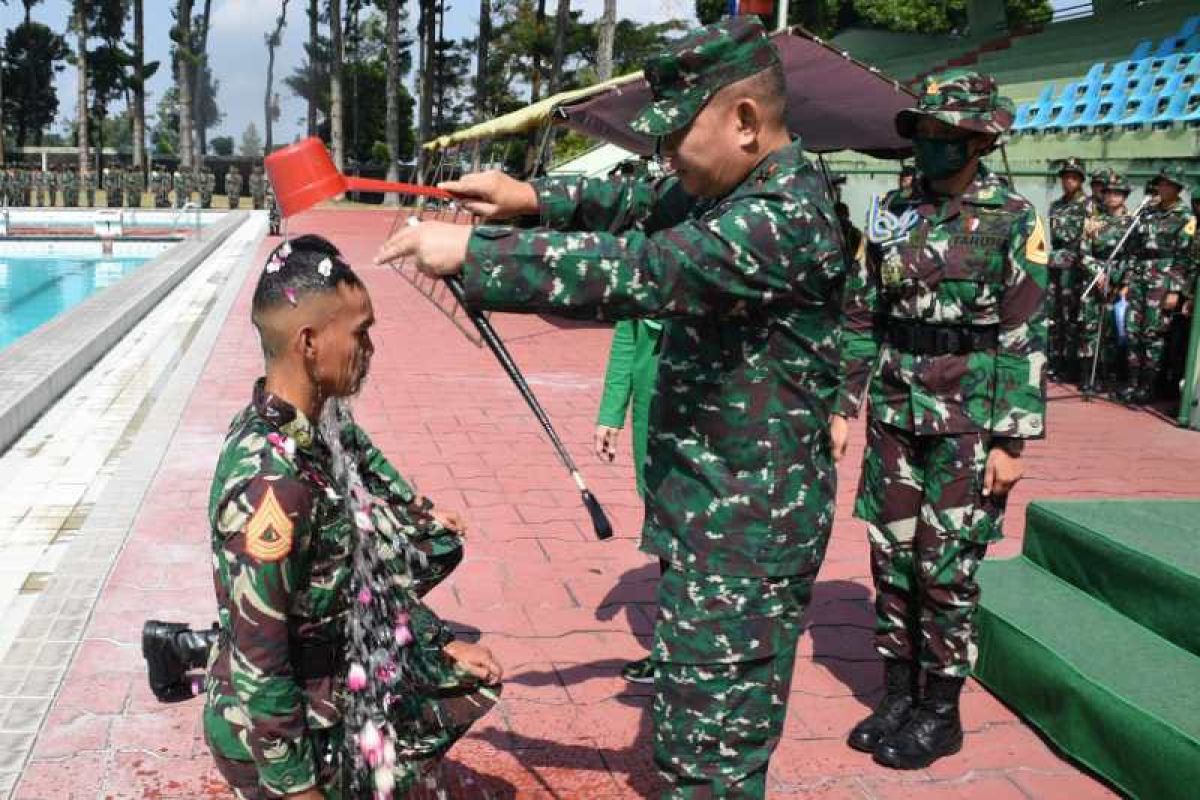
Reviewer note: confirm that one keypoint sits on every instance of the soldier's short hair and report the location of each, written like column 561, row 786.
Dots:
column 769, row 89
column 297, row 268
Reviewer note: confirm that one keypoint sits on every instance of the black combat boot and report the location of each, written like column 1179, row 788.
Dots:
column 1147, row 387
column 934, row 729
column 1128, row 391
column 170, row 650
column 900, row 696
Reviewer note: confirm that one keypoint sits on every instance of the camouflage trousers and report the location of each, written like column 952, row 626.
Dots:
column 1063, row 314
column 724, row 649
column 1090, row 313
column 929, row 525
column 1145, row 320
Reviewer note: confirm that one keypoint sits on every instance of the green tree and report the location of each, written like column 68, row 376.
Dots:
column 252, row 146
column 222, row 145
column 33, row 55
column 1022, row 13
column 164, row 136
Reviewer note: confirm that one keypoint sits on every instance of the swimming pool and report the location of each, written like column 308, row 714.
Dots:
column 36, row 288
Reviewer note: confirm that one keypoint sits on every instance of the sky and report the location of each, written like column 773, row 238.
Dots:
column 238, row 55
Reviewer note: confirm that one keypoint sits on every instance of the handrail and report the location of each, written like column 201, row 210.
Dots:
column 188, row 206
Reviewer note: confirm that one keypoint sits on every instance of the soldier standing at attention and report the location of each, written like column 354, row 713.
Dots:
column 289, row 520
column 946, row 339
column 258, row 193
column 1159, row 275
column 739, row 253
column 1101, row 234
column 1067, row 217
column 133, row 187
column 70, row 181
column 233, row 186
column 1095, row 201
column 89, row 187
column 208, row 182
column 162, row 190
column 180, row 183
column 115, row 185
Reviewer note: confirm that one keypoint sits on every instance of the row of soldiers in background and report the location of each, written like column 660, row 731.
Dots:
column 125, row 188
column 1121, row 327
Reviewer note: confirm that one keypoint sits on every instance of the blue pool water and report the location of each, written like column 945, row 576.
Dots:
column 34, row 290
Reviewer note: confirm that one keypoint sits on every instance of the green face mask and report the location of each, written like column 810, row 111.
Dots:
column 939, row 158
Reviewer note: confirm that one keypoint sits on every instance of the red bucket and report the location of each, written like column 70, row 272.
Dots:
column 303, row 175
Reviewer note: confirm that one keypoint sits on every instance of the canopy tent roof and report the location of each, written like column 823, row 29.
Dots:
column 834, row 103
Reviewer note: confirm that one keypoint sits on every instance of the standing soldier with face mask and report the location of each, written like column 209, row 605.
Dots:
column 1067, row 217
column 945, row 340
column 1157, row 279
column 1098, row 341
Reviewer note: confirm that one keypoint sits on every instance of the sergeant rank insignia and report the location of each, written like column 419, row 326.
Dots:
column 269, row 531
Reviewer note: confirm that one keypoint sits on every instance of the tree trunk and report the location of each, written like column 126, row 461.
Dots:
column 335, row 84
column 428, row 31
column 314, row 36
column 273, row 40
column 183, row 53
column 393, row 97
column 81, row 56
column 139, row 86
column 481, row 59
column 535, row 77
column 200, row 82
column 562, row 20
column 608, row 30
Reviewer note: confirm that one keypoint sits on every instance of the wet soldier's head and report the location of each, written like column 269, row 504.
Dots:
column 720, row 105
column 314, row 316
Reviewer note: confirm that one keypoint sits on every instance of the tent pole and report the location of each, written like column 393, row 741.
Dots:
column 781, row 14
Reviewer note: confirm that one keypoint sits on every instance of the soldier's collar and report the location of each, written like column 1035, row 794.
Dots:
column 290, row 421
column 985, row 190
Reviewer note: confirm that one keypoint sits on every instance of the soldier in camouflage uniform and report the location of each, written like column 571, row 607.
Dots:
column 160, row 186
column 208, row 182
column 70, row 183
column 233, row 186
column 1067, row 216
column 1095, row 201
column 739, row 253
column 945, row 339
column 133, row 187
column 274, row 217
column 1160, row 272
column 1101, row 235
column 181, row 181
column 88, row 182
column 114, row 185
column 286, row 553
column 5, row 181
column 258, row 189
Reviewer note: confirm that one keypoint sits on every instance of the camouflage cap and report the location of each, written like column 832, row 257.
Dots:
column 1116, row 182
column 1172, row 173
column 1100, row 176
column 1071, row 164
column 685, row 77
column 962, row 98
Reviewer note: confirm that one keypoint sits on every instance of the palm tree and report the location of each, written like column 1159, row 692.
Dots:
column 139, row 85
column 481, row 58
column 562, row 20
column 393, row 96
column 273, row 40
column 313, row 43
column 183, row 40
column 199, row 82
column 336, row 136
column 608, row 29
column 80, row 10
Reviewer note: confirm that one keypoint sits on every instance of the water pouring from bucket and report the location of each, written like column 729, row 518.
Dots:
column 304, row 175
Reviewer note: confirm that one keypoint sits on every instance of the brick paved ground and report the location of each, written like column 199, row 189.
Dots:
column 561, row 610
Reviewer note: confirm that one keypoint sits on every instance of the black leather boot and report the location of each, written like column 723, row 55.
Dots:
column 901, row 691
column 170, row 650
column 934, row 730
column 1147, row 387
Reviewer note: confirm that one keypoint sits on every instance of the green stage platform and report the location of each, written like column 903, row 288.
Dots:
column 1091, row 635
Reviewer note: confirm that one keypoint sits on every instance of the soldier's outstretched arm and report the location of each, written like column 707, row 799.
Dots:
column 860, row 339
column 753, row 254
column 1019, row 403
column 264, row 524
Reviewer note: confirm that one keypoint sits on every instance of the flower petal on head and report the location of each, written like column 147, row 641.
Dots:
column 325, row 267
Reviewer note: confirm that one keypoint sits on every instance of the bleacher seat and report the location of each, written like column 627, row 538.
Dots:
column 1175, row 106
column 1140, row 112
column 1121, row 104
column 1191, row 116
column 1090, row 114
column 1142, row 50
column 1190, row 27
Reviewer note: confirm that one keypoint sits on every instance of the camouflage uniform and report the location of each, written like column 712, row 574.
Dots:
column 114, row 186
column 258, row 192
column 208, row 182
column 739, row 473
column 274, row 217
column 1067, row 217
column 1101, row 235
column 70, row 182
column 88, row 181
column 1160, row 264
column 282, row 542
column 945, row 329
column 42, row 187
column 160, row 186
column 181, row 182
column 133, row 188
column 233, row 186
column 5, row 182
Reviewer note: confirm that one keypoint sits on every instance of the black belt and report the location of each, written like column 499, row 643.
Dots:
column 311, row 659
column 922, row 339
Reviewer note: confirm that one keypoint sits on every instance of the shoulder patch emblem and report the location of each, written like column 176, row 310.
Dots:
column 1035, row 245
column 269, row 531
column 1190, row 228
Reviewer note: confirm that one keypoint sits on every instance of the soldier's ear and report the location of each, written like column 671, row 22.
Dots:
column 749, row 118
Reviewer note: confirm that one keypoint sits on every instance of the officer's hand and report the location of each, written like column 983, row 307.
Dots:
column 475, row 659
column 1170, row 302
column 437, row 248
column 605, row 442
column 493, row 195
column 452, row 521
column 839, row 435
column 1002, row 473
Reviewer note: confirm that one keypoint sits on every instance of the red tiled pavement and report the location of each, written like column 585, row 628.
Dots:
column 561, row 610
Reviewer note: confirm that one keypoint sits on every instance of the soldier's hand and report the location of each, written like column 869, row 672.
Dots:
column 436, row 248
column 475, row 659
column 605, row 442
column 1002, row 473
column 493, row 195
column 1170, row 302
column 451, row 520
column 839, row 435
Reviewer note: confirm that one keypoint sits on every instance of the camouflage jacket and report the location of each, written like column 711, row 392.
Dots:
column 281, row 542
column 1100, row 237
column 1161, row 246
column 1067, row 216
column 739, row 476
column 974, row 260
column 233, row 183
